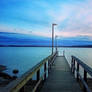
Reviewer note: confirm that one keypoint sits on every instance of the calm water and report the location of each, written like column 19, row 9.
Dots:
column 23, row 58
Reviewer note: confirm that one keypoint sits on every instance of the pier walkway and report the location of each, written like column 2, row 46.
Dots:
column 60, row 78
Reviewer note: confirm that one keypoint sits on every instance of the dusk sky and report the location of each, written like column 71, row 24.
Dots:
column 35, row 17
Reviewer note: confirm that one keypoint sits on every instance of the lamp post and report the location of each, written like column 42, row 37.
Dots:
column 56, row 42
column 53, row 36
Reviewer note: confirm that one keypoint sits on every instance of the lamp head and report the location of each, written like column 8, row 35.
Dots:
column 54, row 24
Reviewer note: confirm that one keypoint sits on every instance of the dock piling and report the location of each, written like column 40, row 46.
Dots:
column 45, row 71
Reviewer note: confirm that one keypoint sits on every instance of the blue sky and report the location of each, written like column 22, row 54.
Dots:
column 35, row 17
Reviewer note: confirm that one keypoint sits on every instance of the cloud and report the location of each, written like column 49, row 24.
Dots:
column 74, row 17
column 35, row 31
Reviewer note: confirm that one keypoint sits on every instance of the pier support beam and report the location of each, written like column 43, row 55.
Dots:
column 85, row 78
column 74, row 67
column 22, row 89
column 38, row 75
column 45, row 71
column 77, row 72
column 48, row 67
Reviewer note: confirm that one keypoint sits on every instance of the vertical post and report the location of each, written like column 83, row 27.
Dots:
column 48, row 66
column 45, row 71
column 22, row 89
column 56, row 42
column 85, row 78
column 63, row 53
column 57, row 53
column 72, row 64
column 77, row 72
column 38, row 75
column 74, row 67
column 52, row 37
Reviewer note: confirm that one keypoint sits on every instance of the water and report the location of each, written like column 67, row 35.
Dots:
column 24, row 58
column 84, row 54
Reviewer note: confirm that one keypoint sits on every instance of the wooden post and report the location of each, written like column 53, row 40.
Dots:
column 63, row 53
column 38, row 75
column 45, row 71
column 85, row 78
column 74, row 66
column 56, row 53
column 48, row 67
column 77, row 72
column 50, row 63
column 22, row 89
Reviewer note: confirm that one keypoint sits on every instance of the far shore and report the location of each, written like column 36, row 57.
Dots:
column 84, row 46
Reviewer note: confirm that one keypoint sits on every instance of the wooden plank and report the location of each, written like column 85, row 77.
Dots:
column 60, row 78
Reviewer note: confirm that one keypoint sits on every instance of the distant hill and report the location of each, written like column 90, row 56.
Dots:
column 15, row 39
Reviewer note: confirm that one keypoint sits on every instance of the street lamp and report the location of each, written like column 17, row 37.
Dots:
column 53, row 36
column 56, row 42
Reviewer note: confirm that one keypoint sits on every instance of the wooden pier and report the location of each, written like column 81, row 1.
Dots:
column 60, row 77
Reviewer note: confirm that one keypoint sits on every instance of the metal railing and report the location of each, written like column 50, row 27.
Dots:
column 86, row 69
column 18, row 84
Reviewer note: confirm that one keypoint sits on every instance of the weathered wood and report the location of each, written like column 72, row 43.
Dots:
column 78, row 72
column 48, row 67
column 74, row 66
column 22, row 89
column 89, row 82
column 85, row 66
column 45, row 71
column 38, row 75
column 85, row 79
column 60, row 78
column 87, row 69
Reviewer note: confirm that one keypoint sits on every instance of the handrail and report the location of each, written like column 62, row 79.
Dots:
column 17, row 85
column 86, row 68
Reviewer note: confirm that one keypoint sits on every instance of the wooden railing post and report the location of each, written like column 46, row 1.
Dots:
column 48, row 66
column 63, row 53
column 77, row 71
column 45, row 71
column 22, row 89
column 50, row 63
column 86, row 68
column 38, row 75
column 74, row 66
column 85, row 78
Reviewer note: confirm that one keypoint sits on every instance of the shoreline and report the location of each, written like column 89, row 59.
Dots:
column 46, row 46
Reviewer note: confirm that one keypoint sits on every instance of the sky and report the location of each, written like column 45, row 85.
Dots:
column 35, row 17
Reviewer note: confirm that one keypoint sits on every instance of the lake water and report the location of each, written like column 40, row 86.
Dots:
column 24, row 58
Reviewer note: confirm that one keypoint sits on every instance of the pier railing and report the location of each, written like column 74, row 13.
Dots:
column 87, row 70
column 18, row 85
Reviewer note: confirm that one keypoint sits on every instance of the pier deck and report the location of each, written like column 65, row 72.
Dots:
column 60, row 78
